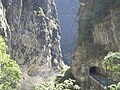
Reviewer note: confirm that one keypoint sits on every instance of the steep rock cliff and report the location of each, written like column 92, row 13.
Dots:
column 98, row 34
column 33, row 37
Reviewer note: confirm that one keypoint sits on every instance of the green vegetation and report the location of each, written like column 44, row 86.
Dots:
column 52, row 2
column 66, row 85
column 10, row 74
column 62, row 82
column 115, row 86
column 112, row 60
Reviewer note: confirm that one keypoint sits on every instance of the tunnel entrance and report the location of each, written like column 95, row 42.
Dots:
column 93, row 70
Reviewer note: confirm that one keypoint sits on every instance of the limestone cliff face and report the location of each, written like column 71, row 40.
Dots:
column 103, row 38
column 4, row 28
column 33, row 38
column 107, row 32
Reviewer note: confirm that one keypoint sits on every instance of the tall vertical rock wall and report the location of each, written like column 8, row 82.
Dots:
column 102, row 37
column 33, row 37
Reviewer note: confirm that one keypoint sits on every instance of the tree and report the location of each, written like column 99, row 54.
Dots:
column 112, row 60
column 61, row 82
column 115, row 86
column 10, row 74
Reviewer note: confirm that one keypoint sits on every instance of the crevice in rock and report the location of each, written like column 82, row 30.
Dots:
column 67, row 14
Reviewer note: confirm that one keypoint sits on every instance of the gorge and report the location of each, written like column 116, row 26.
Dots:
column 44, row 35
column 67, row 15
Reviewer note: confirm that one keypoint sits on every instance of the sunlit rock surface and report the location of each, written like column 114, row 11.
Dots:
column 33, row 38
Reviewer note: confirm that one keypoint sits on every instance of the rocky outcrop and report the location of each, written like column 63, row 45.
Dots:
column 33, row 38
column 3, row 23
column 101, row 37
column 107, row 32
column 67, row 15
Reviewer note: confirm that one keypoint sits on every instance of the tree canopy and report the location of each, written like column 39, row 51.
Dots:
column 10, row 74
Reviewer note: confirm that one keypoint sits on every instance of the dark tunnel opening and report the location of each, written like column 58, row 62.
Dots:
column 93, row 70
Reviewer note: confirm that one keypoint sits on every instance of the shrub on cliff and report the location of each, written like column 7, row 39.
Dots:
column 68, row 84
column 112, row 60
column 115, row 86
column 62, row 82
column 10, row 74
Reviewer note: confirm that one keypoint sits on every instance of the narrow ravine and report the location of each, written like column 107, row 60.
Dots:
column 67, row 14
